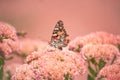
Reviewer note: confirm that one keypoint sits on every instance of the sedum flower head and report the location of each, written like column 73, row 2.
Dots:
column 111, row 72
column 94, row 38
column 8, row 39
column 106, row 51
column 53, row 65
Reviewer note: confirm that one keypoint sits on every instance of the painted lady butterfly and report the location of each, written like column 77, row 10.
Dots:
column 59, row 36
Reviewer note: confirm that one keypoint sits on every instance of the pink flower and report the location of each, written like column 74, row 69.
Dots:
column 94, row 38
column 8, row 30
column 24, row 72
column 54, row 64
column 5, row 49
column 34, row 55
column 111, row 72
column 9, row 40
column 106, row 51
column 27, row 46
column 101, row 38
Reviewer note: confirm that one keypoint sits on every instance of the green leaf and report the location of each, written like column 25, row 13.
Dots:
column 93, row 61
column 1, row 67
column 8, row 75
column 90, row 77
column 67, row 77
column 23, row 55
column 1, row 61
column 101, row 63
column 9, row 58
column 49, row 79
column 92, row 71
column 3, row 37
column 118, row 46
column 1, row 73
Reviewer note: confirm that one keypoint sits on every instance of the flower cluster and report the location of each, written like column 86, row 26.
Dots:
column 8, row 39
column 27, row 45
column 111, row 72
column 95, row 38
column 51, row 65
column 101, row 38
column 24, row 72
column 7, row 30
column 106, row 51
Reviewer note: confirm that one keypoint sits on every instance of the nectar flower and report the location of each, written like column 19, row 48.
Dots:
column 28, row 46
column 94, row 38
column 111, row 72
column 106, row 51
column 54, row 65
column 8, row 39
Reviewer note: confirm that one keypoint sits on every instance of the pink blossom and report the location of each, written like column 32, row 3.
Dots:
column 27, row 45
column 24, row 72
column 106, row 51
column 111, row 72
column 54, row 64
column 10, row 41
column 74, row 43
column 95, row 38
column 34, row 55
column 5, row 49
column 8, row 30
column 101, row 38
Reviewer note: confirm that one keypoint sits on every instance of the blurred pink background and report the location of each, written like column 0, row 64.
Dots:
column 81, row 17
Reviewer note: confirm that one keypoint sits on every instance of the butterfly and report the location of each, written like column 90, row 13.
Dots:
column 59, row 37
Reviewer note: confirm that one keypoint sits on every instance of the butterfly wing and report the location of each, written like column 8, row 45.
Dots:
column 59, row 36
